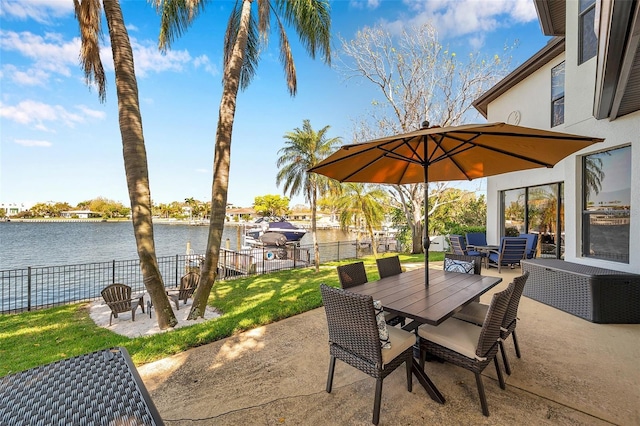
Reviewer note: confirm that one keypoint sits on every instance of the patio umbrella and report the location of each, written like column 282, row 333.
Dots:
column 435, row 154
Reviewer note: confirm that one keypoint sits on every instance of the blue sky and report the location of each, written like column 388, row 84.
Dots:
column 59, row 143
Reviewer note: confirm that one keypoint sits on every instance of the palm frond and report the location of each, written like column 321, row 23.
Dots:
column 88, row 14
column 175, row 18
column 264, row 15
column 312, row 21
column 252, row 51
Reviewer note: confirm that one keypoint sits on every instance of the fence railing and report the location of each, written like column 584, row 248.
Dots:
column 42, row 287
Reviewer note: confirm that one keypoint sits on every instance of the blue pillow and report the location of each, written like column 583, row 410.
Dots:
column 453, row 265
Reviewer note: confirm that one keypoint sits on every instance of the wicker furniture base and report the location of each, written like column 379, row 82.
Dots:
column 595, row 294
column 99, row 388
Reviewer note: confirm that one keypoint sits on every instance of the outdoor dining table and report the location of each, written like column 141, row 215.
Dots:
column 407, row 295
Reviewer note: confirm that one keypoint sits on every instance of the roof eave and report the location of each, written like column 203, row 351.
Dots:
column 552, row 49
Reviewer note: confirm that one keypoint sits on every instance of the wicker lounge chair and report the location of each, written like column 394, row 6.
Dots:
column 388, row 266
column 512, row 250
column 467, row 345
column 476, row 313
column 354, row 339
column 188, row 284
column 118, row 298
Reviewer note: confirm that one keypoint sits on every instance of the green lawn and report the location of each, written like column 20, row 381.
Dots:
column 36, row 338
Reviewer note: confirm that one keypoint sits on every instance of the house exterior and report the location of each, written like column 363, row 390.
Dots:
column 80, row 214
column 585, row 81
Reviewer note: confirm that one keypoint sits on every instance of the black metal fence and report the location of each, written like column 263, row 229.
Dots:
column 42, row 287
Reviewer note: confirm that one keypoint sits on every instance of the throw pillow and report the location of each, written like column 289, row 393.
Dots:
column 383, row 333
column 453, row 265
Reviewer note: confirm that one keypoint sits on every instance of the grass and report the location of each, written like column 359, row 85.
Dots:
column 40, row 337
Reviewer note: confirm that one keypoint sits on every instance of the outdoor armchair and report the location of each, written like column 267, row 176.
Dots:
column 459, row 246
column 118, row 298
column 476, row 313
column 188, row 284
column 532, row 245
column 475, row 239
column 467, row 345
column 354, row 339
column 512, row 250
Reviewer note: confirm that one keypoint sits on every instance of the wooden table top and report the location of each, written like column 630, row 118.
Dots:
column 406, row 294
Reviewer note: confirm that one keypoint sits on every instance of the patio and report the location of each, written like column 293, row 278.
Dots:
column 571, row 372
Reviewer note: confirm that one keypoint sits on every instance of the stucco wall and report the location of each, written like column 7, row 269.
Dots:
column 532, row 98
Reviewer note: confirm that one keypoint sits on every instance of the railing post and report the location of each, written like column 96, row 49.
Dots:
column 113, row 271
column 29, row 289
column 176, row 277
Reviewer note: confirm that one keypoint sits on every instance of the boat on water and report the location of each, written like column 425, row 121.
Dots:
column 272, row 231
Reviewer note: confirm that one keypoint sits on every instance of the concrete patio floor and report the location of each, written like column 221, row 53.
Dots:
column 572, row 372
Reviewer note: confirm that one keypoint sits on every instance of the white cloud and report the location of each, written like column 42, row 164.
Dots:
column 50, row 55
column 203, row 61
column 132, row 28
column 29, row 142
column 455, row 18
column 202, row 171
column 364, row 4
column 36, row 113
column 42, row 11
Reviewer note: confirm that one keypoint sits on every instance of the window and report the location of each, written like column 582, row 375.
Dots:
column 588, row 38
column 557, row 95
column 606, row 178
column 536, row 210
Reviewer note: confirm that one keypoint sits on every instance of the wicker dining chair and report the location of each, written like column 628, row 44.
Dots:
column 388, row 266
column 475, row 260
column 188, row 284
column 354, row 274
column 355, row 340
column 476, row 313
column 118, row 298
column 467, row 345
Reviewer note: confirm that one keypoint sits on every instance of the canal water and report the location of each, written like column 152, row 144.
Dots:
column 24, row 244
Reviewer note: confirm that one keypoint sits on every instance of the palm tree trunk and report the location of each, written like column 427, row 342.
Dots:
column 221, row 162
column 135, row 162
column 314, row 215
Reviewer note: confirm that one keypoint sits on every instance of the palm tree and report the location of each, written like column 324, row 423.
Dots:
column 134, row 153
column 311, row 21
column 305, row 148
column 362, row 206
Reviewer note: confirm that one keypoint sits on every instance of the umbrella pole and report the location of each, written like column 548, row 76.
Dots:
column 426, row 242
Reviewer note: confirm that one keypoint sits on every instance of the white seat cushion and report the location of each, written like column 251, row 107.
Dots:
column 459, row 336
column 474, row 312
column 401, row 340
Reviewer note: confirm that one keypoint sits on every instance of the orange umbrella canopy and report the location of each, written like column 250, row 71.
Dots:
column 438, row 154
column 450, row 153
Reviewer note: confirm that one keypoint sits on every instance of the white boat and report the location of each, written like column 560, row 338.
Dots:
column 272, row 231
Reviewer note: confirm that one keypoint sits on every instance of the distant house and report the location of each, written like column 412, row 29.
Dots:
column 585, row 81
column 80, row 214
column 13, row 209
column 236, row 214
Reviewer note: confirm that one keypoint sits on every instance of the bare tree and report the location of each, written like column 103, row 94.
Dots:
column 419, row 79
